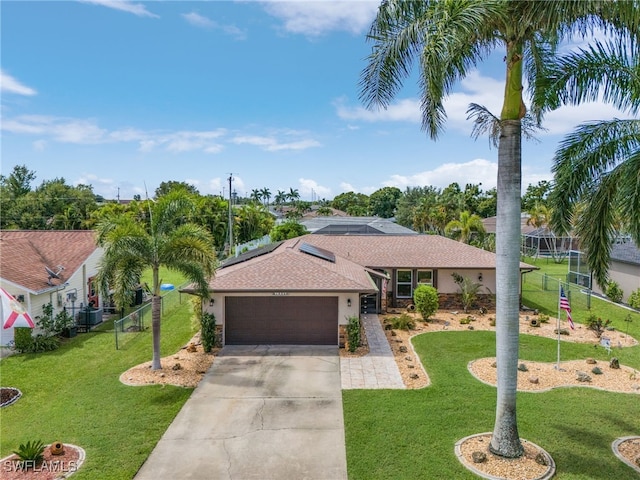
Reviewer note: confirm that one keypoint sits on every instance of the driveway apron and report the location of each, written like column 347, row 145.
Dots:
column 261, row 412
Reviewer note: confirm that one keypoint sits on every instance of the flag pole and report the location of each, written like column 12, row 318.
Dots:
column 558, row 327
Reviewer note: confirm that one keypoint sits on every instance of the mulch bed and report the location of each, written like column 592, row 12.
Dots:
column 9, row 395
column 52, row 467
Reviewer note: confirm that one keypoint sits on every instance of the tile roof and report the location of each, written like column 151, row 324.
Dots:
column 287, row 268
column 25, row 253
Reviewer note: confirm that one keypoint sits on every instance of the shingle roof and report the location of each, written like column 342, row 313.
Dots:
column 384, row 225
column 287, row 268
column 626, row 252
column 25, row 253
column 398, row 251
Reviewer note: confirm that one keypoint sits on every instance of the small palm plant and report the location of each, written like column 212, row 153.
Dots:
column 31, row 453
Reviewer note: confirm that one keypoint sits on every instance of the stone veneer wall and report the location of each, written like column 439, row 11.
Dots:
column 342, row 335
column 451, row 301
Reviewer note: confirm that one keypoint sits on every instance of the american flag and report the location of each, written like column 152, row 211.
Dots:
column 564, row 305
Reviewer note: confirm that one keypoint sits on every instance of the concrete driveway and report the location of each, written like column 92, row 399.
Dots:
column 260, row 412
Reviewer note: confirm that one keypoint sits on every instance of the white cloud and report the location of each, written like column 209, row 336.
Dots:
column 475, row 171
column 201, row 21
column 347, row 187
column 310, row 188
column 60, row 129
column 124, row 5
column 314, row 18
column 272, row 144
column 565, row 119
column 405, row 110
column 198, row 20
column 85, row 131
column 8, row 84
column 104, row 184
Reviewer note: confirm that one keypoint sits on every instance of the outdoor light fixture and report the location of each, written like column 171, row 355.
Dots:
column 480, row 277
column 348, row 302
column 211, row 302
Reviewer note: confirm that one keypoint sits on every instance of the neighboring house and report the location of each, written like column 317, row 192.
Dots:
column 344, row 225
column 542, row 242
column 39, row 267
column 302, row 290
column 624, row 268
column 489, row 224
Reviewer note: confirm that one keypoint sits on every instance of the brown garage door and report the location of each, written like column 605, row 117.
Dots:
column 281, row 320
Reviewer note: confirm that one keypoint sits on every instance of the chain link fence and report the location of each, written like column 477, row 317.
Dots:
column 139, row 321
column 542, row 292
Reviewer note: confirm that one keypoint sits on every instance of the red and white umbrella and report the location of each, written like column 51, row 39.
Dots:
column 12, row 312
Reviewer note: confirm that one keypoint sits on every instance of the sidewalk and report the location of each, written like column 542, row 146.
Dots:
column 377, row 369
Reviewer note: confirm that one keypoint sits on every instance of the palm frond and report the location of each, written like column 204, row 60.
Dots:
column 486, row 123
column 604, row 70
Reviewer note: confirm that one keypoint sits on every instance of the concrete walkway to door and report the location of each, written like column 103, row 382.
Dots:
column 377, row 369
column 260, row 412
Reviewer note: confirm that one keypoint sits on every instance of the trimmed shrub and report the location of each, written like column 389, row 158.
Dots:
column 634, row 299
column 425, row 298
column 353, row 333
column 208, row 331
column 614, row 292
column 22, row 339
column 403, row 322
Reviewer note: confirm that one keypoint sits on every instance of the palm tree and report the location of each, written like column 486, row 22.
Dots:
column 166, row 240
column 266, row 195
column 539, row 215
column 293, row 195
column 256, row 195
column 280, row 198
column 597, row 166
column 448, row 39
column 462, row 228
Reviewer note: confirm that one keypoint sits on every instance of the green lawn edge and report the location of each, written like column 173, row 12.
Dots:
column 74, row 395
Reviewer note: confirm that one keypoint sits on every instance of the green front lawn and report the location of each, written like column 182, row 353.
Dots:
column 410, row 434
column 73, row 395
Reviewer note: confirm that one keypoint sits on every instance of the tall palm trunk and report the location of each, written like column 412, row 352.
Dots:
column 505, row 440
column 156, row 306
column 156, row 303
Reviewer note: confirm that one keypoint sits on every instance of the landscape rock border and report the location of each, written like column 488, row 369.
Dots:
column 616, row 443
column 549, row 473
column 62, row 475
column 14, row 399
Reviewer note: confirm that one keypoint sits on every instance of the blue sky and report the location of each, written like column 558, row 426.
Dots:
column 123, row 94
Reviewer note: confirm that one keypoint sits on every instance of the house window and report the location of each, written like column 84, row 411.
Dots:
column 425, row 277
column 404, row 280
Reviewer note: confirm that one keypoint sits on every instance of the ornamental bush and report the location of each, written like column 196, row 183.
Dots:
column 353, row 333
column 208, row 331
column 634, row 299
column 22, row 339
column 614, row 292
column 425, row 297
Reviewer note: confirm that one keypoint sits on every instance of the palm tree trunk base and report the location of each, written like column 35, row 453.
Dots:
column 475, row 454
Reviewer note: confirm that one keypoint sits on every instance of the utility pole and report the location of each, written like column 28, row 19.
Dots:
column 230, row 215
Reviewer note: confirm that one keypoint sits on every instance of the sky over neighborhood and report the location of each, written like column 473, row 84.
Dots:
column 123, row 95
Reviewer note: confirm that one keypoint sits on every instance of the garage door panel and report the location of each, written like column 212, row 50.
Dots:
column 281, row 320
